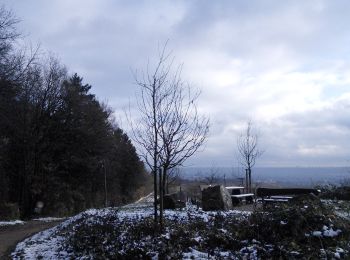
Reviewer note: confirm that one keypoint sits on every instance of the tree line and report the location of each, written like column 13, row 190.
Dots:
column 58, row 143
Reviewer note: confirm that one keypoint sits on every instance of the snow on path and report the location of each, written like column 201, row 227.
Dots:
column 20, row 222
column 48, row 219
column 11, row 223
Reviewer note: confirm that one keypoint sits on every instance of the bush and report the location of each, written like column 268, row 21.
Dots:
column 90, row 238
column 335, row 193
column 302, row 226
column 305, row 228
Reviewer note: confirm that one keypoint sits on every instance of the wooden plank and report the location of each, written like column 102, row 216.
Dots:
column 276, row 200
column 243, row 195
column 261, row 192
column 234, row 188
column 281, row 197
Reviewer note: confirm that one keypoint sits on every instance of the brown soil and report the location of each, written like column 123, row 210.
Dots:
column 10, row 236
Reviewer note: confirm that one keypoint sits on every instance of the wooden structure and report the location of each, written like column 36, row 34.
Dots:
column 238, row 196
column 273, row 195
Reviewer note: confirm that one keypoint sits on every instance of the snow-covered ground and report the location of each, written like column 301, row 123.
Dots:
column 20, row 222
column 48, row 219
column 11, row 223
column 50, row 244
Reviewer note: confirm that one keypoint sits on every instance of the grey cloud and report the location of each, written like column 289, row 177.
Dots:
column 325, row 130
column 104, row 40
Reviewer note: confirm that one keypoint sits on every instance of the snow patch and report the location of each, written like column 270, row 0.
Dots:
column 11, row 223
column 317, row 233
column 48, row 219
column 195, row 254
column 331, row 233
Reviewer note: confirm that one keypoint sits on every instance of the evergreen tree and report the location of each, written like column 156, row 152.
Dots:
column 58, row 143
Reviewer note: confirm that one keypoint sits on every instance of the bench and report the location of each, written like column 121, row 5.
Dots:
column 272, row 195
column 267, row 201
column 234, row 190
column 236, row 199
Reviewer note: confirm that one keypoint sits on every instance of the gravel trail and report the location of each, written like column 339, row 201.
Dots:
column 11, row 235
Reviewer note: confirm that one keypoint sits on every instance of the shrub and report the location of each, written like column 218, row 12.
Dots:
column 288, row 231
column 335, row 193
column 293, row 228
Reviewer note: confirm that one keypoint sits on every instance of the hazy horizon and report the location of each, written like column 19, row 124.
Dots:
column 300, row 176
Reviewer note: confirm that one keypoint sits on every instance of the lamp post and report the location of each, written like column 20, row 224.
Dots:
column 105, row 181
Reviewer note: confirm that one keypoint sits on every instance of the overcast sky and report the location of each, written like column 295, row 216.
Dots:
column 283, row 64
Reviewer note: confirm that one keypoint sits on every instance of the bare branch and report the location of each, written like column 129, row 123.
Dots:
column 247, row 144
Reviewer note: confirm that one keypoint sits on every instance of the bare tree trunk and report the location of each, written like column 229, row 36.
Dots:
column 166, row 183
column 250, row 180
column 161, row 196
column 155, row 197
column 155, row 151
column 165, row 172
column 246, row 180
column 163, row 188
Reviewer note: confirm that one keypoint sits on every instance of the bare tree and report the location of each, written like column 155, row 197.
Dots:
column 212, row 176
column 170, row 129
column 249, row 152
column 211, row 179
column 8, row 31
column 173, row 177
column 15, row 61
column 145, row 130
column 182, row 130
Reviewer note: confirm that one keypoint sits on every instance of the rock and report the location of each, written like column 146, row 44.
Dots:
column 216, row 198
column 180, row 204
column 169, row 201
column 173, row 200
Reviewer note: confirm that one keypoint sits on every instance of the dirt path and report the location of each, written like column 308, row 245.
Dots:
column 11, row 235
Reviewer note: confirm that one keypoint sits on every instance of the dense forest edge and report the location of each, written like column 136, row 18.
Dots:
column 61, row 150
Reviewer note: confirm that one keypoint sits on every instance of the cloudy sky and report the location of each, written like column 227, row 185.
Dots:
column 283, row 64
